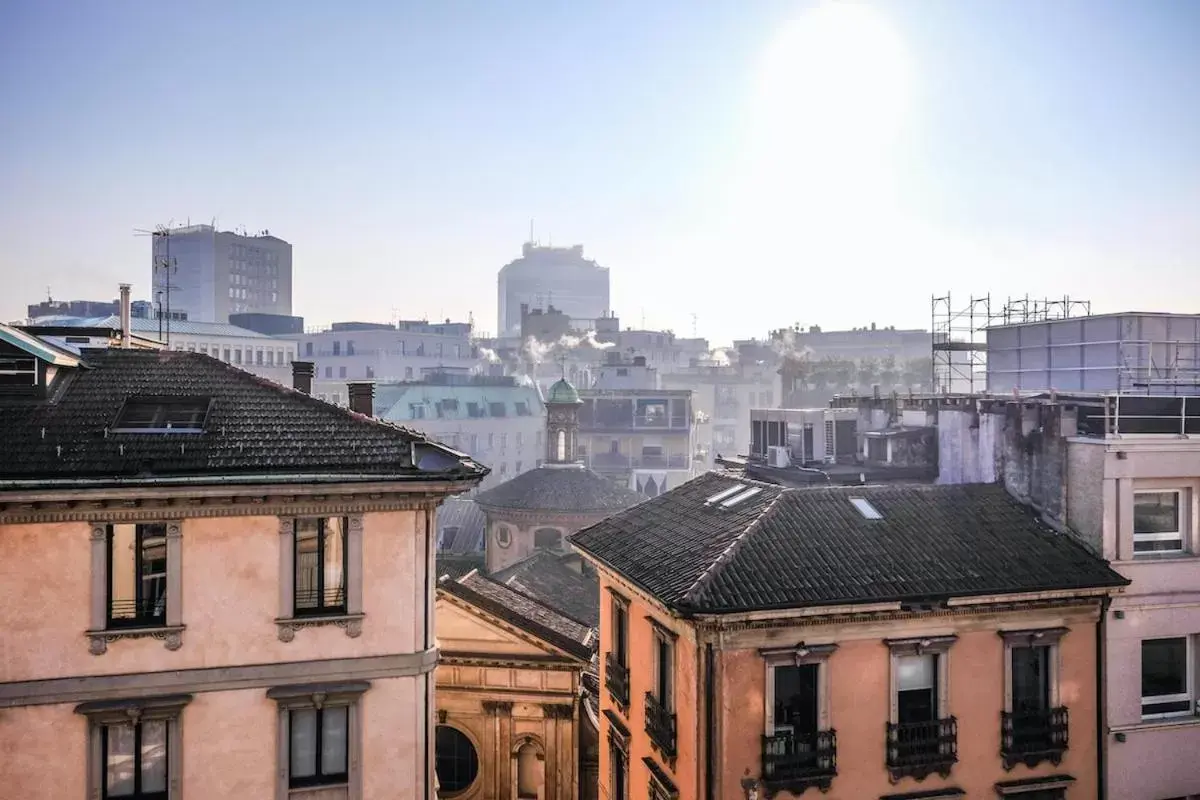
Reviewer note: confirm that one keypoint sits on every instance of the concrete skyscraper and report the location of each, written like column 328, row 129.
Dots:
column 551, row 276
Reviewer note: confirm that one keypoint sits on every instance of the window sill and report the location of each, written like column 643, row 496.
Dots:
column 1154, row 558
column 1157, row 724
column 321, row 790
column 350, row 623
column 172, row 636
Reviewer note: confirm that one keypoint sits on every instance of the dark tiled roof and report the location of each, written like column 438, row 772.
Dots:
column 468, row 522
column 545, row 577
column 786, row 548
column 253, row 427
column 567, row 489
column 522, row 611
column 455, row 565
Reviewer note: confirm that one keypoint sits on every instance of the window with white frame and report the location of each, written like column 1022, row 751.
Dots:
column 1168, row 683
column 1158, row 521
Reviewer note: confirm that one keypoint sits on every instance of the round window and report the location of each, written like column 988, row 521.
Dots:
column 457, row 761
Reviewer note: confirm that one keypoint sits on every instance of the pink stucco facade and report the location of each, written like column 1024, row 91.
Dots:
column 234, row 648
column 1145, row 759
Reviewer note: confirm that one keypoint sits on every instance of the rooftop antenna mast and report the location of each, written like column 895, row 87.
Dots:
column 162, row 263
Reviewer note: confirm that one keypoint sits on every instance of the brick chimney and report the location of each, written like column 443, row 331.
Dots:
column 362, row 397
column 302, row 376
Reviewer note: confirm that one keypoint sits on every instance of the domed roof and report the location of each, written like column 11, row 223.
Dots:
column 562, row 392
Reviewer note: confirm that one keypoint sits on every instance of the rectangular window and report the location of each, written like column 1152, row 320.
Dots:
column 337, row 348
column 916, row 688
column 225, row 355
column 664, row 671
column 237, row 355
column 350, row 347
column 320, row 566
column 1157, row 522
column 180, row 414
column 308, row 349
column 796, row 699
column 520, row 439
column 317, row 752
column 1030, row 679
column 135, row 760
column 258, row 357
column 270, row 358
column 341, row 372
column 620, row 766
column 1167, row 688
column 137, row 575
column 503, row 441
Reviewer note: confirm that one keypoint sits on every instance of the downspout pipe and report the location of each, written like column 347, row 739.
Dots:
column 709, row 721
column 1101, row 704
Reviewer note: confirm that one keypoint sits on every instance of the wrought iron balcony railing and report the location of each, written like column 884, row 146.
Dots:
column 616, row 678
column 1030, row 737
column 660, row 724
column 918, row 749
column 796, row 761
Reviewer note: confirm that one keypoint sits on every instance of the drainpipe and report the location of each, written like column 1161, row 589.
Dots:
column 1101, row 704
column 709, row 722
column 125, row 317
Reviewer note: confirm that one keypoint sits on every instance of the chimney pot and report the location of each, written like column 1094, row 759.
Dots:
column 302, row 376
column 126, row 334
column 362, row 397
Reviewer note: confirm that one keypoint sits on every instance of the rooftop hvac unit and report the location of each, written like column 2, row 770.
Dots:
column 778, row 456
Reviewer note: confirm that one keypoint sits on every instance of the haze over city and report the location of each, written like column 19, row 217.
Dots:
column 753, row 164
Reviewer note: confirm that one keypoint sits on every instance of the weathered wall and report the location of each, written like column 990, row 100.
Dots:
column 1085, row 493
column 231, row 578
column 966, row 446
column 45, row 752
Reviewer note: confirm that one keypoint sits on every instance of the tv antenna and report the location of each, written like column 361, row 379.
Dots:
column 163, row 264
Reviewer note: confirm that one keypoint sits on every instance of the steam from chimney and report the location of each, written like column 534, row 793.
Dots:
column 126, row 334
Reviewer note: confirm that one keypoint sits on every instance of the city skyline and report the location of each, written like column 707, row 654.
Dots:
column 1009, row 148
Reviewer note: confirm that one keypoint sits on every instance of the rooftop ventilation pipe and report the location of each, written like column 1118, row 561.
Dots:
column 126, row 334
column 362, row 397
column 302, row 376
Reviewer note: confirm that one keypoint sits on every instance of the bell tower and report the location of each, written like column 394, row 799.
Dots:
column 562, row 423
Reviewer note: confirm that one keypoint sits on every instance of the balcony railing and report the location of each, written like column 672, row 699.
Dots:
column 918, row 749
column 1030, row 737
column 616, row 678
column 796, row 761
column 660, row 724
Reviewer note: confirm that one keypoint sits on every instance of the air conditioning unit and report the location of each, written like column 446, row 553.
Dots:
column 778, row 456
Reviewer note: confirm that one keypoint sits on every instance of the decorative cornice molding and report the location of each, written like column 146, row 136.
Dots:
column 350, row 623
column 920, row 645
column 171, row 636
column 1029, row 638
column 550, row 663
column 797, row 654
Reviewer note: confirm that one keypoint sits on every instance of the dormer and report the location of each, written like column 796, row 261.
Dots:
column 29, row 365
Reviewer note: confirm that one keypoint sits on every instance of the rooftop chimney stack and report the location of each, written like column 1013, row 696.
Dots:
column 362, row 397
column 302, row 376
column 126, row 334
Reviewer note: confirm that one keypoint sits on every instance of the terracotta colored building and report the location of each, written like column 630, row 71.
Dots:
column 214, row 586
column 892, row 642
column 511, row 723
column 539, row 509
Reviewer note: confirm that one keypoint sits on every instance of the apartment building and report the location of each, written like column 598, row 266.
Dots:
column 634, row 433
column 497, row 420
column 723, row 398
column 869, row 642
column 215, row 586
column 405, row 351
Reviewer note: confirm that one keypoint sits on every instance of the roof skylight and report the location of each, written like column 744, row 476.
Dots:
column 163, row 414
column 721, row 495
column 737, row 498
column 865, row 508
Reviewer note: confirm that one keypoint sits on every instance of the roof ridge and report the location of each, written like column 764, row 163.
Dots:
column 710, row 572
column 540, row 602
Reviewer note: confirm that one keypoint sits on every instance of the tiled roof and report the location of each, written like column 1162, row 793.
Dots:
column 788, row 548
column 544, row 576
column 523, row 612
column 254, row 427
column 568, row 489
column 455, row 565
column 460, row 526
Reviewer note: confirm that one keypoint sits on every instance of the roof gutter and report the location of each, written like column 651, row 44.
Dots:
column 50, row 489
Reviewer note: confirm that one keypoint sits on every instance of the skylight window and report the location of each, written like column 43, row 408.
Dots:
column 721, row 495
column 741, row 496
column 865, row 508
column 163, row 414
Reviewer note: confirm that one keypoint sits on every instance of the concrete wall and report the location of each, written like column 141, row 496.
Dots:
column 1085, row 495
column 967, row 446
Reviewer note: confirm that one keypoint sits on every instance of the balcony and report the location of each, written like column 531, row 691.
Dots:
column 919, row 749
column 616, row 678
column 660, row 724
column 1030, row 737
column 794, row 762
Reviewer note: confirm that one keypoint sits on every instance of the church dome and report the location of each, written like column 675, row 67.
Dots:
column 563, row 393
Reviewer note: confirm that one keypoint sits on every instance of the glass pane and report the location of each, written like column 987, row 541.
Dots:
column 154, row 756
column 118, row 760
column 123, row 572
column 307, row 568
column 796, row 698
column 1164, row 667
column 1155, row 512
column 304, row 743
column 1030, row 679
column 153, row 572
column 1173, row 545
column 915, row 672
column 916, row 705
column 333, row 741
column 335, row 542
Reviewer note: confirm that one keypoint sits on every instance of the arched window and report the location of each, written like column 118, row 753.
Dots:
column 457, row 762
column 561, row 446
column 529, row 772
column 503, row 537
column 547, row 539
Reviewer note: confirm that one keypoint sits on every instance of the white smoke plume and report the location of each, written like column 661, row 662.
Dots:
column 489, row 355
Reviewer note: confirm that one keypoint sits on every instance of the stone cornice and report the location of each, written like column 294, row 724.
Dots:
column 184, row 505
column 510, row 660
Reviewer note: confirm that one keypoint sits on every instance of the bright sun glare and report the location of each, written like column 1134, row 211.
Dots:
column 831, row 95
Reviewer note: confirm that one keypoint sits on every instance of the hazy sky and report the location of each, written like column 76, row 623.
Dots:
column 755, row 163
